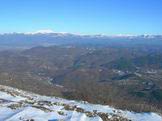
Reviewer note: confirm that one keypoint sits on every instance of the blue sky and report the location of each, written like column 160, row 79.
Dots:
column 82, row 16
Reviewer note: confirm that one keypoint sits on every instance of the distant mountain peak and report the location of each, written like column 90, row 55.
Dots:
column 49, row 31
column 43, row 31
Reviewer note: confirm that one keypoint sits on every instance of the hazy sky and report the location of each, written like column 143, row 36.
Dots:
column 82, row 16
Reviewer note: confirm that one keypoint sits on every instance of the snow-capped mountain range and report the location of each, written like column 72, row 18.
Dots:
column 48, row 37
column 18, row 105
column 49, row 31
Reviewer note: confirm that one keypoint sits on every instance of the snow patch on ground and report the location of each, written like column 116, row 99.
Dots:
column 17, row 105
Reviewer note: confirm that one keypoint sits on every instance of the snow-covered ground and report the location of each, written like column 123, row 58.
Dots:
column 17, row 105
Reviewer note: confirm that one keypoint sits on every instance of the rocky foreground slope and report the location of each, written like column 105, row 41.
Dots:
column 17, row 105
